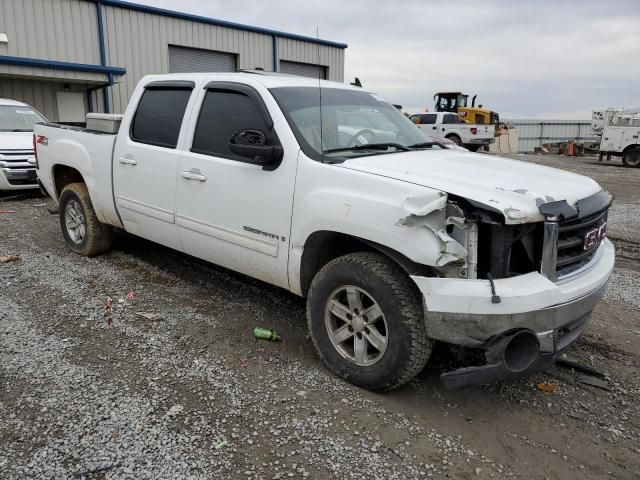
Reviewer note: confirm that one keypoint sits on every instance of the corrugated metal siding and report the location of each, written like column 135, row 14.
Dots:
column 195, row 60
column 40, row 95
column 298, row 51
column 63, row 30
column 534, row 133
column 67, row 31
column 303, row 69
column 139, row 42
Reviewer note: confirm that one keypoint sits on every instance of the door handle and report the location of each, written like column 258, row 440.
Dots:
column 193, row 175
column 127, row 160
column 435, row 128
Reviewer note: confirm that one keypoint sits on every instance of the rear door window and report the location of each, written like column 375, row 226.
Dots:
column 158, row 119
column 451, row 119
column 429, row 118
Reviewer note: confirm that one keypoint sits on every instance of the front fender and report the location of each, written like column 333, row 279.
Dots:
column 404, row 217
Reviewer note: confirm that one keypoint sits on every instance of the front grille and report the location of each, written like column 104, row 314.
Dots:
column 16, row 153
column 15, row 158
column 15, row 166
column 574, row 251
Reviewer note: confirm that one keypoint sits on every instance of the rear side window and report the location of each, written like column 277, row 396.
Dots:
column 223, row 113
column 159, row 116
column 451, row 119
column 429, row 118
column 424, row 119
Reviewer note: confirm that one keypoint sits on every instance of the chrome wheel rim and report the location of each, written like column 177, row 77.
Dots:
column 75, row 222
column 356, row 326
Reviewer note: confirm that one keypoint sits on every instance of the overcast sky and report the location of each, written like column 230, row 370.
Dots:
column 524, row 59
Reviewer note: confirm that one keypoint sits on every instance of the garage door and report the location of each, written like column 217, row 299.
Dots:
column 194, row 60
column 303, row 69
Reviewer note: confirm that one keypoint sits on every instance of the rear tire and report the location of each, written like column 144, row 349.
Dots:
column 631, row 158
column 367, row 321
column 473, row 148
column 455, row 139
column 82, row 231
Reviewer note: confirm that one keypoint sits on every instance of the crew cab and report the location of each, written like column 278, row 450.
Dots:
column 17, row 165
column 451, row 127
column 328, row 191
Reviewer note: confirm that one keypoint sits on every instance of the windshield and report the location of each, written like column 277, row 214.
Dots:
column 18, row 118
column 354, row 123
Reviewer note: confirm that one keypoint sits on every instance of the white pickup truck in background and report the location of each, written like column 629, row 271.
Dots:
column 17, row 165
column 395, row 241
column 451, row 127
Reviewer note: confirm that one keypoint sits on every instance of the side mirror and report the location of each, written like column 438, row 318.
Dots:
column 254, row 146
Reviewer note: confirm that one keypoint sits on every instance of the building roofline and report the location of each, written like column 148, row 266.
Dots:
column 76, row 67
column 213, row 21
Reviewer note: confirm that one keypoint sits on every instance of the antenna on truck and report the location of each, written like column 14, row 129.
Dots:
column 320, row 97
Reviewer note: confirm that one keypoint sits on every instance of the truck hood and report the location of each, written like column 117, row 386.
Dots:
column 16, row 140
column 512, row 187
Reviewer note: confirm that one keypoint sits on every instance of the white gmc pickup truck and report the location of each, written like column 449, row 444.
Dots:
column 328, row 191
column 451, row 127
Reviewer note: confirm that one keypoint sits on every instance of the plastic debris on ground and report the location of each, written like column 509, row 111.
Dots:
column 154, row 317
column 221, row 444
column 546, row 387
column 175, row 409
column 593, row 382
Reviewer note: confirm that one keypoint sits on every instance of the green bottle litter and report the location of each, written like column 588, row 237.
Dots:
column 265, row 334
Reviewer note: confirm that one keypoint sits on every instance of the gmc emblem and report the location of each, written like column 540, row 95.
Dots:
column 593, row 237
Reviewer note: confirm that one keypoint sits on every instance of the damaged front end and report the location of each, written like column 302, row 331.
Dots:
column 475, row 243
column 491, row 291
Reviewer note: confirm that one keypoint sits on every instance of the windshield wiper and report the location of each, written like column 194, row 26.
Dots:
column 369, row 146
column 427, row 145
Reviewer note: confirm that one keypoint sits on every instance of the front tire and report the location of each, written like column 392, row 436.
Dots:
column 367, row 321
column 82, row 231
column 631, row 158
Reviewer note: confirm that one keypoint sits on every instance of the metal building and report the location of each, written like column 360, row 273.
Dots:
column 68, row 57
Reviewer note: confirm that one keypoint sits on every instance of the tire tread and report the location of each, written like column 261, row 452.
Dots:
column 99, row 237
column 409, row 299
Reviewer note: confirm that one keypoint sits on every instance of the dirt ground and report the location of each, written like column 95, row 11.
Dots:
column 170, row 383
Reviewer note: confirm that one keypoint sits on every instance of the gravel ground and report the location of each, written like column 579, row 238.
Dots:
column 185, row 391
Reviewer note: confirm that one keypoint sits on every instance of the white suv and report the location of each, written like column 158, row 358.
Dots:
column 17, row 163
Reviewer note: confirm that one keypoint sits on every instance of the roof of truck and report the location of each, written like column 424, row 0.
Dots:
column 268, row 79
column 15, row 103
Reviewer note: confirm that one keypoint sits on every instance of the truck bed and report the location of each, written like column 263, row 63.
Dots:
column 88, row 152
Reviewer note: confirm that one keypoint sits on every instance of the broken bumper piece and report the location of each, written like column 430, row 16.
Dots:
column 536, row 320
column 518, row 354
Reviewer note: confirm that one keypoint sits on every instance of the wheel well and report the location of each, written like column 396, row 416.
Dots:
column 63, row 176
column 322, row 247
column 631, row 147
